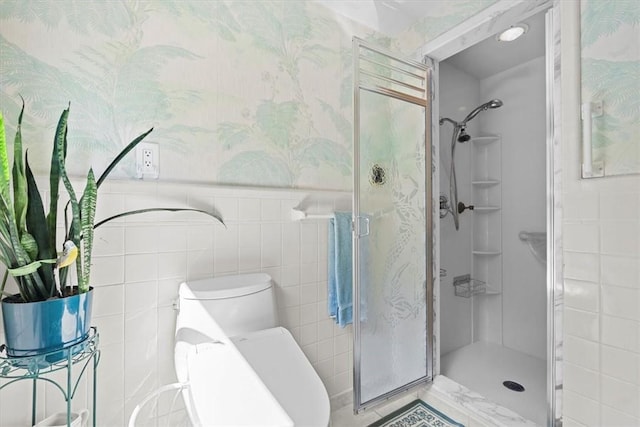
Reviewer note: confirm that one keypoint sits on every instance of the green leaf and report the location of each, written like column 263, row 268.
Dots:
column 141, row 211
column 4, row 281
column 31, row 287
column 119, row 157
column 37, row 226
column 20, row 198
column 29, row 244
column 88, row 209
column 30, row 268
column 58, row 156
column 5, row 181
column 73, row 232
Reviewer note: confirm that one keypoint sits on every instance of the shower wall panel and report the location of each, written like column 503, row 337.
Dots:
column 460, row 94
column 521, row 122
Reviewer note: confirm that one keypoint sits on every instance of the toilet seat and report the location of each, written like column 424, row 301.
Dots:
column 284, row 369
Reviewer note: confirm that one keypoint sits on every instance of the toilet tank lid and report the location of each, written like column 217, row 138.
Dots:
column 224, row 286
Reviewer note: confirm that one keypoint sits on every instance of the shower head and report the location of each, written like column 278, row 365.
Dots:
column 494, row 103
column 463, row 136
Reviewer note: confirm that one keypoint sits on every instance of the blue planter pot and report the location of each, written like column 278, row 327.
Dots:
column 35, row 328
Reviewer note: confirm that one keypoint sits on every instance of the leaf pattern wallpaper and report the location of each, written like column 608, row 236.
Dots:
column 611, row 73
column 238, row 92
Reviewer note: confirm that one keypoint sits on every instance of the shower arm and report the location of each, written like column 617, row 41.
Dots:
column 447, row 119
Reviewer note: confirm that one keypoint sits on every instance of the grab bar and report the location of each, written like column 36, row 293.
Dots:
column 590, row 110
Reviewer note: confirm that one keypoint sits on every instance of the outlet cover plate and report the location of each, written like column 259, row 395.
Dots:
column 148, row 160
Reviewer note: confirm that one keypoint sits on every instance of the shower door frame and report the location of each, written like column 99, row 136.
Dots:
column 482, row 25
column 427, row 103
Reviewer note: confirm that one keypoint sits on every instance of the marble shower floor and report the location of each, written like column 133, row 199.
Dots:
column 482, row 367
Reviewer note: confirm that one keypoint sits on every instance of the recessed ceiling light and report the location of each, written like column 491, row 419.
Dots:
column 512, row 33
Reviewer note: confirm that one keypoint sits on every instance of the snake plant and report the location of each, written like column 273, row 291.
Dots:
column 28, row 235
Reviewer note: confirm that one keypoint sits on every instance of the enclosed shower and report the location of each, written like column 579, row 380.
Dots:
column 487, row 331
column 492, row 170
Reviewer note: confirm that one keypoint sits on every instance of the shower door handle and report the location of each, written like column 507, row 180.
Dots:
column 367, row 225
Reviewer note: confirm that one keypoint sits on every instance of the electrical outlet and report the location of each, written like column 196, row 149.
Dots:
column 148, row 160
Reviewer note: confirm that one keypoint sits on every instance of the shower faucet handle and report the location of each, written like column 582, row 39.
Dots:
column 462, row 207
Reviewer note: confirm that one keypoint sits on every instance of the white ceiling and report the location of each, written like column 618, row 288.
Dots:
column 491, row 56
column 386, row 16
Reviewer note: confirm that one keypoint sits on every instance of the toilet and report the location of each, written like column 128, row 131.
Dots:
column 239, row 363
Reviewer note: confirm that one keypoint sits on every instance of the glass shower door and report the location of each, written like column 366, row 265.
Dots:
column 392, row 226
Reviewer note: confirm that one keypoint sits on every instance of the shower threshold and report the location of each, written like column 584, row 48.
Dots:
column 484, row 367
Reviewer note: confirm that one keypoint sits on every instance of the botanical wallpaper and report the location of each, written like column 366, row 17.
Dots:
column 238, row 92
column 610, row 31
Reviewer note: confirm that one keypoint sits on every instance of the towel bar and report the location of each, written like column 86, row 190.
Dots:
column 299, row 215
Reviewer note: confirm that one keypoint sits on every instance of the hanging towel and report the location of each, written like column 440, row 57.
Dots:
column 340, row 292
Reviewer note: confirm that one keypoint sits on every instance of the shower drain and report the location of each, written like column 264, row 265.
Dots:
column 513, row 386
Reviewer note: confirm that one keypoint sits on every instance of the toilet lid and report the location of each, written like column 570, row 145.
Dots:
column 286, row 371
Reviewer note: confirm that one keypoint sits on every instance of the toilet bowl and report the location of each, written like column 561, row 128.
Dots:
column 230, row 347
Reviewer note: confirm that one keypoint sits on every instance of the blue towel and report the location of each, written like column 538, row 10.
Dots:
column 340, row 293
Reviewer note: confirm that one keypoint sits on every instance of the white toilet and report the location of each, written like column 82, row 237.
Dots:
column 231, row 351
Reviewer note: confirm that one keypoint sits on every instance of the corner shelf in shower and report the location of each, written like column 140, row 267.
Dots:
column 484, row 209
column 488, row 139
column 486, row 190
column 491, row 291
column 486, row 183
column 487, row 253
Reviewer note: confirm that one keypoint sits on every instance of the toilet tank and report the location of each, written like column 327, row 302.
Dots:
column 238, row 304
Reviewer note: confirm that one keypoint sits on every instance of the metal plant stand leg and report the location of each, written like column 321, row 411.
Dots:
column 69, row 368
column 37, row 367
column 96, row 359
column 33, row 402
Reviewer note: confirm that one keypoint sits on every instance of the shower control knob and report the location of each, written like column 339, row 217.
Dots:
column 462, row 207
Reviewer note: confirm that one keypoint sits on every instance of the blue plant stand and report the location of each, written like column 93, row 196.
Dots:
column 35, row 368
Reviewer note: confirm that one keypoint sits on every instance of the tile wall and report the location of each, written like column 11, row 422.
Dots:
column 602, row 304
column 139, row 262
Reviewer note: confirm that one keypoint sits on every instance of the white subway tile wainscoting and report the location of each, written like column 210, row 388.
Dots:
column 602, row 303
column 139, row 262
